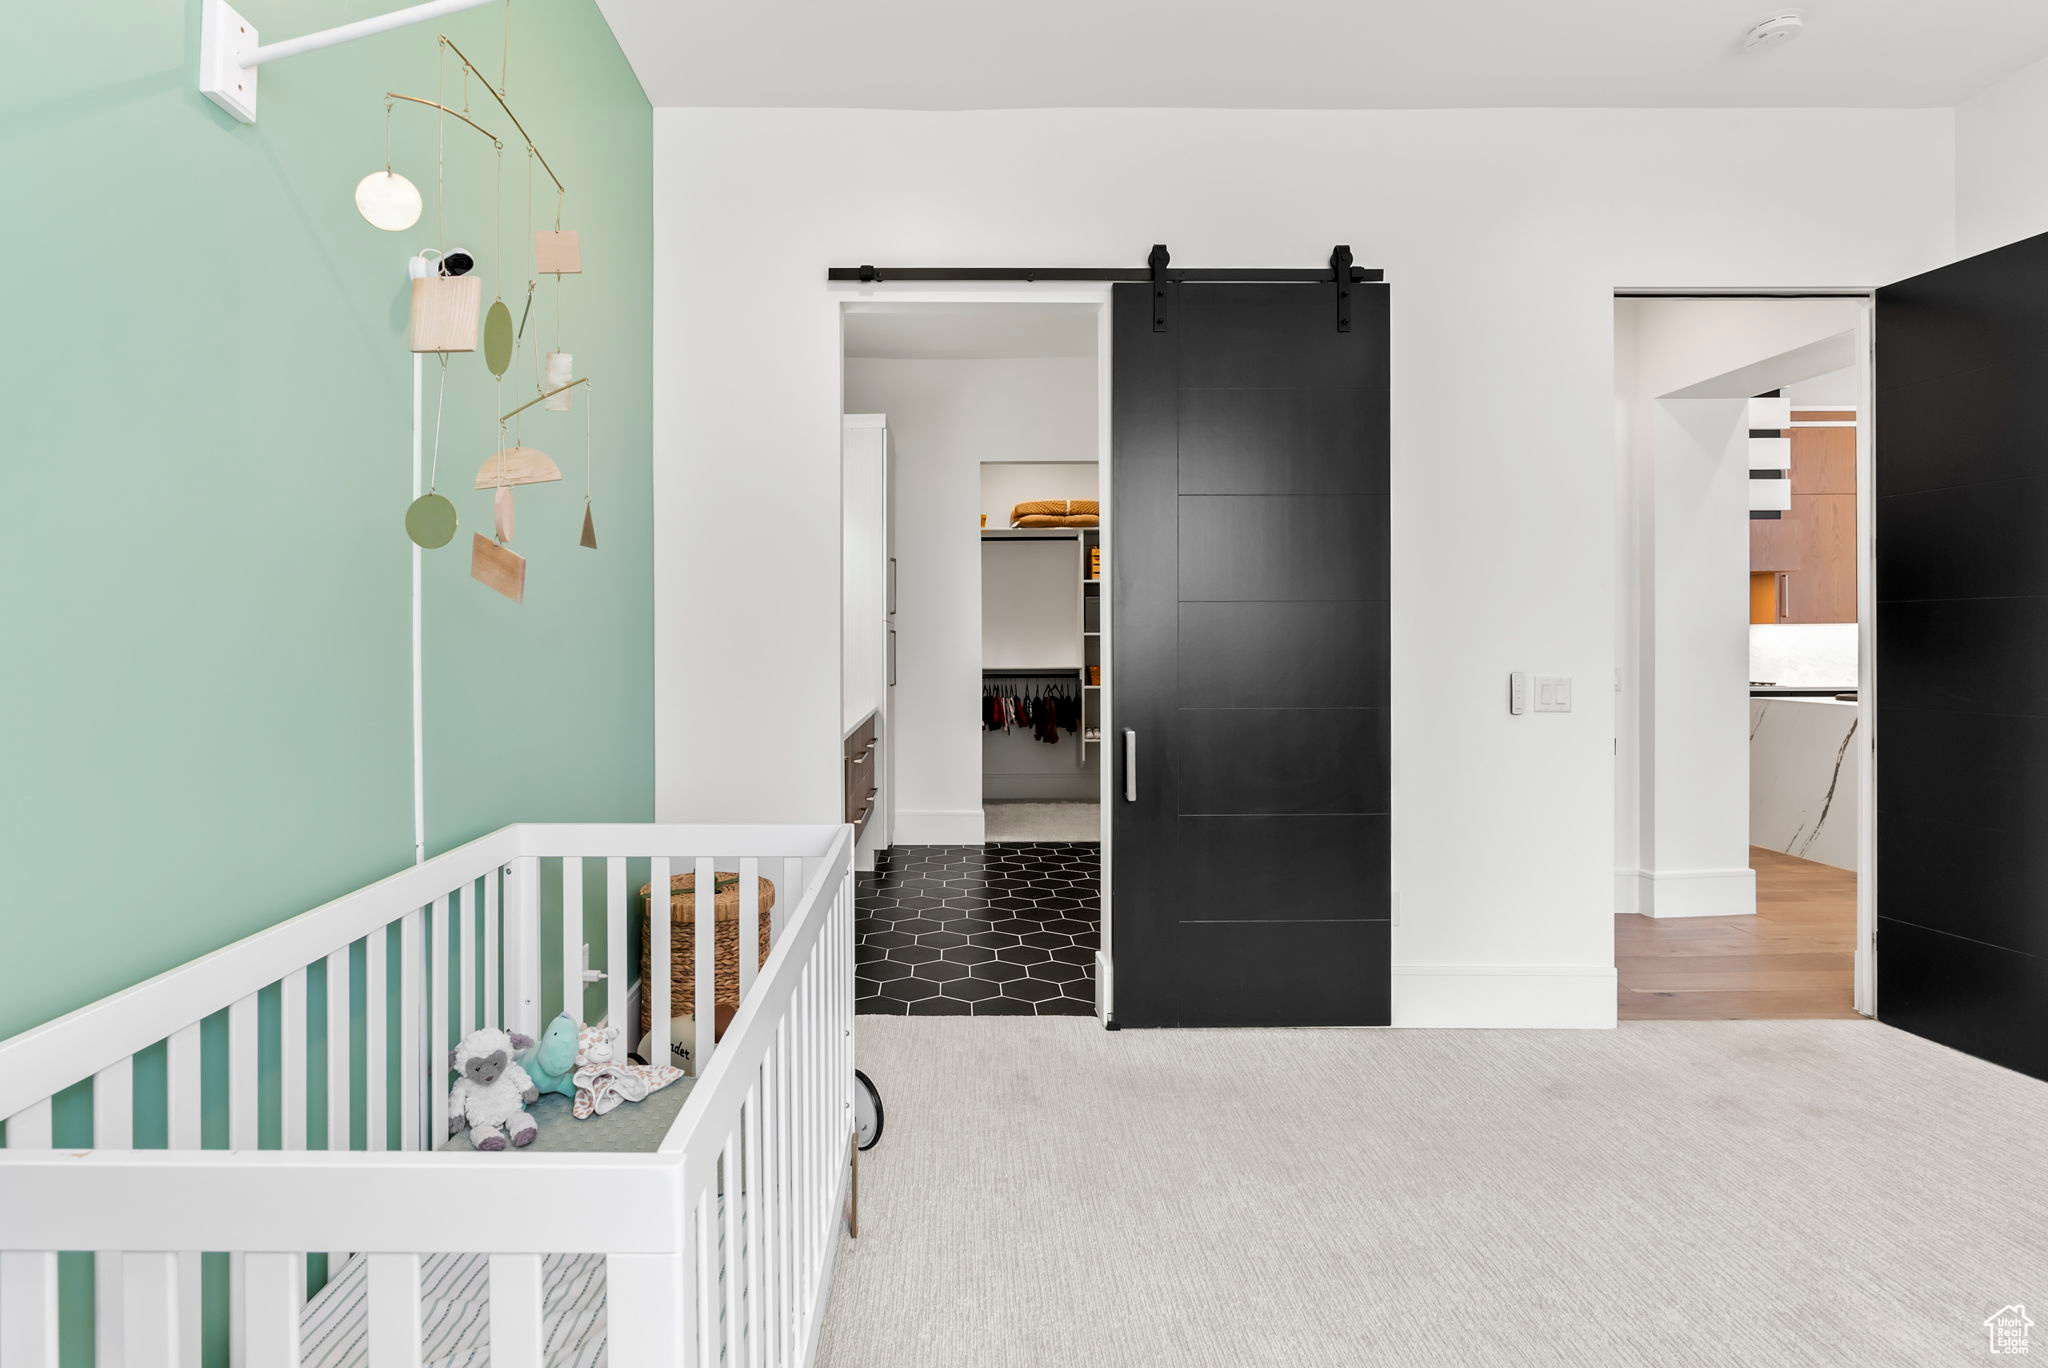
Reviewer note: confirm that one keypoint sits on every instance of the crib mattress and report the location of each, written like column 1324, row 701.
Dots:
column 455, row 1313
column 630, row 1128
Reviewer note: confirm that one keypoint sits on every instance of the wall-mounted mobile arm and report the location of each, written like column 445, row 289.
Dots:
column 229, row 52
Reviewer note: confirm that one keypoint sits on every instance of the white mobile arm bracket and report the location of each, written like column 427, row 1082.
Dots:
column 229, row 53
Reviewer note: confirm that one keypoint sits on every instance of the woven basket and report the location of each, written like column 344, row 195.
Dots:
column 682, row 955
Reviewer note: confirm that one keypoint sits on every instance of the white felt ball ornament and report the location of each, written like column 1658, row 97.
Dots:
column 388, row 200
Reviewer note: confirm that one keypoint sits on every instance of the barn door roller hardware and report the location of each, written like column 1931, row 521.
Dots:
column 1340, row 271
column 1156, row 272
column 229, row 53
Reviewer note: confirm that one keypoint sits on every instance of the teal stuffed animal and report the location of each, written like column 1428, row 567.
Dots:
column 553, row 1059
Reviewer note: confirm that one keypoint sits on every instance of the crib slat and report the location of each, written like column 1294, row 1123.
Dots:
column 150, row 1309
column 785, row 1192
column 730, row 1268
column 183, row 1099
column 752, row 1217
column 792, row 890
column 412, row 1011
column 28, row 1281
column 654, row 984
column 394, row 1304
column 113, row 1128
column 522, row 947
column 491, row 1016
column 291, row 1059
column 516, row 1335
column 705, row 1231
column 705, row 1011
column 750, row 923
column 572, row 936
column 376, row 1034
column 618, row 957
column 243, row 1083
column 338, row 1050
column 268, row 1317
column 242, row 1077
column 438, row 1043
column 465, row 918
column 647, row 1305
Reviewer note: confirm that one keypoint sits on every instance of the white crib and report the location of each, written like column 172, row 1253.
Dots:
column 717, row 1248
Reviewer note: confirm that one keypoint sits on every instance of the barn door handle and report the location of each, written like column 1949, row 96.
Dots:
column 892, row 657
column 1130, row 765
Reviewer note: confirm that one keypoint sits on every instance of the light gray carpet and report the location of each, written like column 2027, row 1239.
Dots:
column 1042, row 823
column 1710, row 1193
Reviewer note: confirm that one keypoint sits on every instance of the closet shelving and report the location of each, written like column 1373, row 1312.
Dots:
column 1089, row 603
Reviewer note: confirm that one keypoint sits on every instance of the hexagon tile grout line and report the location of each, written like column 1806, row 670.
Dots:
column 997, row 930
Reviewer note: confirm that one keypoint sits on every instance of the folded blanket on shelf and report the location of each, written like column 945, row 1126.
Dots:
column 1057, row 513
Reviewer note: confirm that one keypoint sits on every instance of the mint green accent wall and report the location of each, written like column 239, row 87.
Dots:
column 206, row 676
column 206, row 669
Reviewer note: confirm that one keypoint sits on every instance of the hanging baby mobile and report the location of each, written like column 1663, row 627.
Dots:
column 447, row 297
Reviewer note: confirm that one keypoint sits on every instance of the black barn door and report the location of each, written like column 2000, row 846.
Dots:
column 1248, row 571
column 1961, row 707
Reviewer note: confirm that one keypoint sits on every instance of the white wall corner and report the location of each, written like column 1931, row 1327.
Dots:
column 1628, row 891
column 963, row 827
column 1505, row 996
column 1697, row 893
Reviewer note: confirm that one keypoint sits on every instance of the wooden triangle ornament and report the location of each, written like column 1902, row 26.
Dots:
column 589, row 537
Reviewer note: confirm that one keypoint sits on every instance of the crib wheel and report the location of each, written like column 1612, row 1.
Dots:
column 867, row 1111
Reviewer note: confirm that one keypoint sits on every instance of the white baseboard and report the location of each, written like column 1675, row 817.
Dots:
column 1628, row 890
column 1105, row 994
column 1504, row 996
column 1696, row 892
column 963, row 827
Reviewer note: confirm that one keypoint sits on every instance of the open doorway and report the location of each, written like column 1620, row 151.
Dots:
column 975, row 448
column 1743, row 808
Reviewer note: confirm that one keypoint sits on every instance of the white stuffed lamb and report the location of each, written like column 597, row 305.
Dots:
column 491, row 1096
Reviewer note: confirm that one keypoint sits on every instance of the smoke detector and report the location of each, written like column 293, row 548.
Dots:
column 1776, row 31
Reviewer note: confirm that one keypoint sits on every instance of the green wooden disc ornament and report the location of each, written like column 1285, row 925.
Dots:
column 498, row 338
column 430, row 521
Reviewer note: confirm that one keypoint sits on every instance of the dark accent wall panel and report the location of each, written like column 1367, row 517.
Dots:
column 1961, row 705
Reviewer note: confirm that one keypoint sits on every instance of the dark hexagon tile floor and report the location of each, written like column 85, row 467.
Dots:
column 996, row 930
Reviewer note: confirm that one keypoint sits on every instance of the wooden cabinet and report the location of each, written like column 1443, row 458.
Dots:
column 1823, row 588
column 1773, row 544
column 1813, row 546
column 863, row 744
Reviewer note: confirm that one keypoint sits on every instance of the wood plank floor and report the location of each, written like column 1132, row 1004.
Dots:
column 1794, row 958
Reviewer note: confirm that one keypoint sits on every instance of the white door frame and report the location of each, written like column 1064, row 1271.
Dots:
column 840, row 294
column 1865, row 965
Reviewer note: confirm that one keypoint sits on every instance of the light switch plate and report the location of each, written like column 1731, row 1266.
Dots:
column 1518, row 693
column 1553, row 693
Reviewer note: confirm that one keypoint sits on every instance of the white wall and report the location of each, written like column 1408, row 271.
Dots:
column 946, row 418
column 1003, row 487
column 2002, row 162
column 1504, row 234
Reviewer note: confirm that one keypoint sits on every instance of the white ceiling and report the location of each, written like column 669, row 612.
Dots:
column 1317, row 54
column 969, row 332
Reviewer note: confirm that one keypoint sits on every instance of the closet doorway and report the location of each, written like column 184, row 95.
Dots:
column 981, row 627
